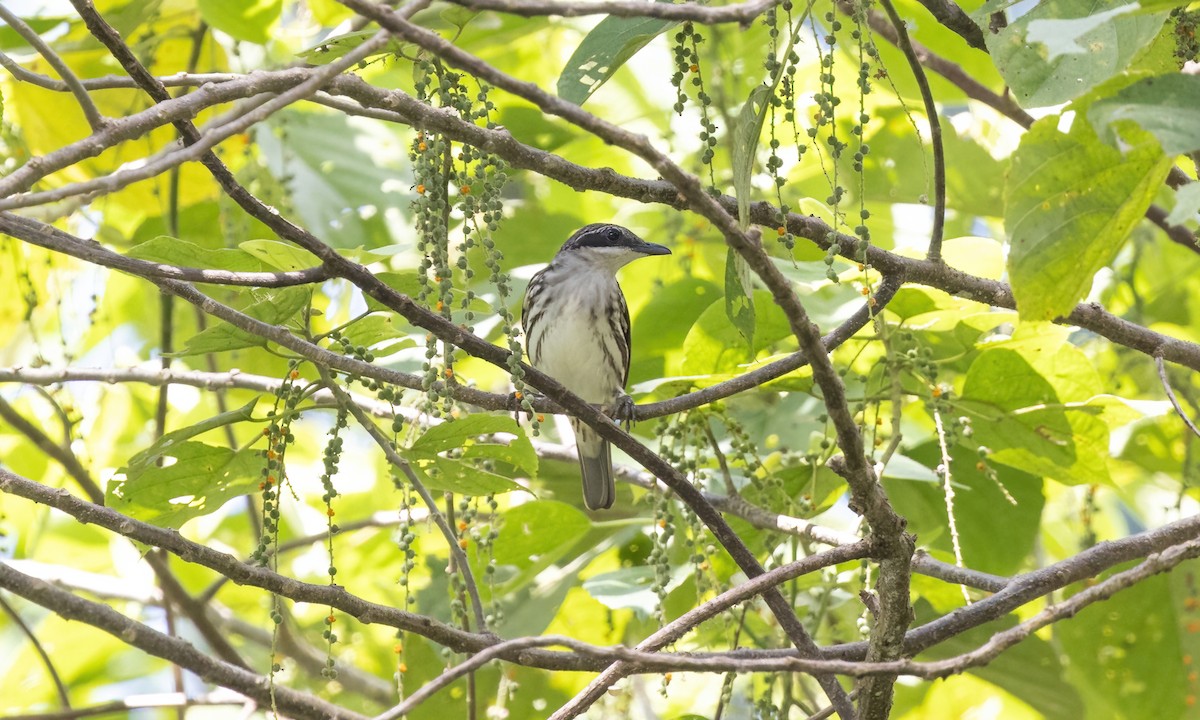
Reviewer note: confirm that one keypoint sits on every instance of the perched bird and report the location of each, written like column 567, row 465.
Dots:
column 577, row 331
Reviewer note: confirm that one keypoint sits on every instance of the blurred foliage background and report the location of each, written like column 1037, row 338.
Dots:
column 1057, row 438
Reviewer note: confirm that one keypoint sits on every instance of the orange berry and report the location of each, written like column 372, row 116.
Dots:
column 666, row 678
column 862, row 267
column 270, row 479
column 463, row 543
column 781, row 230
column 294, row 374
column 541, row 418
column 403, row 668
column 271, row 455
column 329, row 512
column 1193, row 676
column 449, row 372
column 662, row 523
column 518, row 395
column 1190, row 700
column 465, row 189
column 937, row 392
column 398, row 648
column 262, row 486
column 694, row 68
column 1187, row 659
column 330, row 620
column 1193, row 626
column 865, row 291
column 420, row 189
column 422, row 147
column 441, row 306
column 462, row 525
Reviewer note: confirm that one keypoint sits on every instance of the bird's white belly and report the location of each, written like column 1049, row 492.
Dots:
column 572, row 352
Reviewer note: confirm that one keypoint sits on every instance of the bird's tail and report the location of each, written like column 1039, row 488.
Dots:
column 595, row 464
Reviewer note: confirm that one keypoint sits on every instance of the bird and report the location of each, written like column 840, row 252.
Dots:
column 576, row 326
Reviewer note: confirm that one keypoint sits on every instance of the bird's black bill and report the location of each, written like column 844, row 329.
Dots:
column 652, row 249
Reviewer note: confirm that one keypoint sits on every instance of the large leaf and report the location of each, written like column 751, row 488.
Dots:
column 605, row 49
column 273, row 307
column 349, row 180
column 462, row 474
column 181, row 253
column 1125, row 654
column 464, row 434
column 1028, row 404
column 1062, row 48
column 739, row 295
column 1030, row 671
column 1168, row 107
column 249, row 20
column 195, row 479
column 714, row 345
column 1071, row 202
column 164, row 445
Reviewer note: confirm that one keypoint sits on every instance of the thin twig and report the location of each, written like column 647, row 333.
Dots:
column 1166, row 383
column 63, row 697
column 934, row 254
column 95, row 119
column 743, row 13
column 149, row 640
column 393, row 457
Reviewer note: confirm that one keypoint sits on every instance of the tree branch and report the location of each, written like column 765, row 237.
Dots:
column 51, row 238
column 743, row 13
column 149, row 640
column 95, row 119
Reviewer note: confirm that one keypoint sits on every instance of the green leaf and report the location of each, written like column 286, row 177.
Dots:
column 374, row 329
column 1167, row 107
column 1062, row 48
column 406, row 283
column 1187, row 204
column 280, row 255
column 1125, row 654
column 344, row 175
column 182, row 253
column 632, row 588
column 1028, row 404
column 1030, row 670
column 746, row 131
column 536, row 534
column 332, row 48
column 249, row 20
column 739, row 295
column 273, row 307
column 605, row 49
column 164, row 444
column 195, row 480
column 715, row 346
column 460, row 477
column 1071, row 202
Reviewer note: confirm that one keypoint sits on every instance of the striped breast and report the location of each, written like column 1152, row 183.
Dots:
column 577, row 330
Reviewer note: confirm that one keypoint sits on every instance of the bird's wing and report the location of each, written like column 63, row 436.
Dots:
column 623, row 326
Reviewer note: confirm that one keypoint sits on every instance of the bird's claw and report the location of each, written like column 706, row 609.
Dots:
column 622, row 410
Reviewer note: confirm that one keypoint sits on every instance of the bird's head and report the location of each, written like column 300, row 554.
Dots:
column 603, row 245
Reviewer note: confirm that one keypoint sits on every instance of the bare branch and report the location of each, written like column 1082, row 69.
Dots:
column 149, row 640
column 51, row 238
column 934, row 253
column 1166, row 383
column 63, row 696
column 679, row 627
column 743, row 13
column 95, row 119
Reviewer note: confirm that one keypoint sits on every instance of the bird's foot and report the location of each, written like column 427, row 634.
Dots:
column 623, row 410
